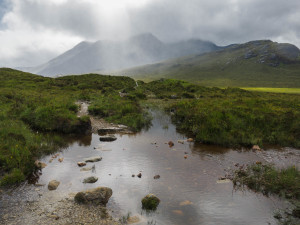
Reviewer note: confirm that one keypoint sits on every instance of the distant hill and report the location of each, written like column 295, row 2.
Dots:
column 87, row 57
column 260, row 63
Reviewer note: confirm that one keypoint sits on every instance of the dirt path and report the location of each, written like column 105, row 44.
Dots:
column 99, row 123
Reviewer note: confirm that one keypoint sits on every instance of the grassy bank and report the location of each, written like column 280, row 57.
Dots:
column 33, row 106
column 232, row 116
column 270, row 180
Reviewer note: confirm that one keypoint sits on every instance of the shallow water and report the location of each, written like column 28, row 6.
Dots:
column 188, row 188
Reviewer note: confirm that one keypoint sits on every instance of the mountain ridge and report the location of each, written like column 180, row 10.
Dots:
column 260, row 63
column 87, row 57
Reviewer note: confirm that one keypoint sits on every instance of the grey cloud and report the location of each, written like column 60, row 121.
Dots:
column 221, row 21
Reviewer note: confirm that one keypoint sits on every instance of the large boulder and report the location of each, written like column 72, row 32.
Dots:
column 98, row 195
column 150, row 202
column 53, row 184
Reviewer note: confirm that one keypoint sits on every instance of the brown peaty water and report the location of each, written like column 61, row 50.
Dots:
column 188, row 188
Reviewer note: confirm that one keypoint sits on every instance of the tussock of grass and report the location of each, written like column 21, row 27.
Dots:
column 270, row 180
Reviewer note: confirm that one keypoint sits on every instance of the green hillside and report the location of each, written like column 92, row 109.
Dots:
column 254, row 64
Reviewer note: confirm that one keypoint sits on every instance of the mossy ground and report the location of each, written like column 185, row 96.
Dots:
column 36, row 110
column 32, row 107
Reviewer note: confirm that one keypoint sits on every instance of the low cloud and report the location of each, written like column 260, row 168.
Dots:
column 34, row 31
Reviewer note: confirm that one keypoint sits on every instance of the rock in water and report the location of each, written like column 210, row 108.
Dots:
column 93, row 159
column 90, row 180
column 39, row 164
column 156, row 177
column 108, row 138
column 53, row 184
column 98, row 195
column 139, row 175
column 171, row 144
column 150, row 202
column 190, row 140
column 81, row 164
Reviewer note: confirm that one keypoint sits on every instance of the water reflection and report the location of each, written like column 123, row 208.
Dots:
column 187, row 187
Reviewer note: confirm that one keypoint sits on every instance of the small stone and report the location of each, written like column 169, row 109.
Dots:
column 187, row 202
column 156, row 177
column 171, row 144
column 53, row 185
column 185, row 156
column 180, row 141
column 178, row 212
column 90, row 180
column 60, row 159
column 139, row 175
column 190, row 140
column 81, row 164
column 132, row 175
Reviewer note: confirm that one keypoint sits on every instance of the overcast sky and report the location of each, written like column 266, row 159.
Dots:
column 34, row 31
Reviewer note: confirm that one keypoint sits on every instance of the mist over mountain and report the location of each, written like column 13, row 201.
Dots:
column 260, row 63
column 103, row 56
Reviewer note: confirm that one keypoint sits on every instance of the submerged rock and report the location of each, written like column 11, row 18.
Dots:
column 133, row 219
column 156, row 177
column 93, row 159
column 139, row 175
column 150, row 202
column 108, row 138
column 53, row 184
column 98, row 195
column 90, row 180
column 86, row 169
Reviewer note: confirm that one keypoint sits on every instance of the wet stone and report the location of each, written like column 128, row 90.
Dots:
column 91, row 179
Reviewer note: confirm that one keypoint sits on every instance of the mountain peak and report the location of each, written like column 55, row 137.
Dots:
column 145, row 38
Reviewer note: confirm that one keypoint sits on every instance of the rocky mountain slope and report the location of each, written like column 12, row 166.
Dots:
column 260, row 63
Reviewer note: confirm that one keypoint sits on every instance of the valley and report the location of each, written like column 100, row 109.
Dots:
column 195, row 138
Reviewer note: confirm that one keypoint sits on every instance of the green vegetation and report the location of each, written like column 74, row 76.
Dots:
column 270, row 180
column 231, row 116
column 274, row 90
column 150, row 202
column 36, row 110
column 254, row 64
column 33, row 106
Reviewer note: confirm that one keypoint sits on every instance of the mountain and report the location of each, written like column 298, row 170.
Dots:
column 261, row 63
column 102, row 56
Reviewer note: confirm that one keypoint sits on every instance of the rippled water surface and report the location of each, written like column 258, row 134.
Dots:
column 188, row 188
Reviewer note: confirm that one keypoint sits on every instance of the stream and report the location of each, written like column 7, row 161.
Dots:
column 189, row 187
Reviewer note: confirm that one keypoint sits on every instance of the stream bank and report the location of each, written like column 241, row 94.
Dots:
column 189, row 188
